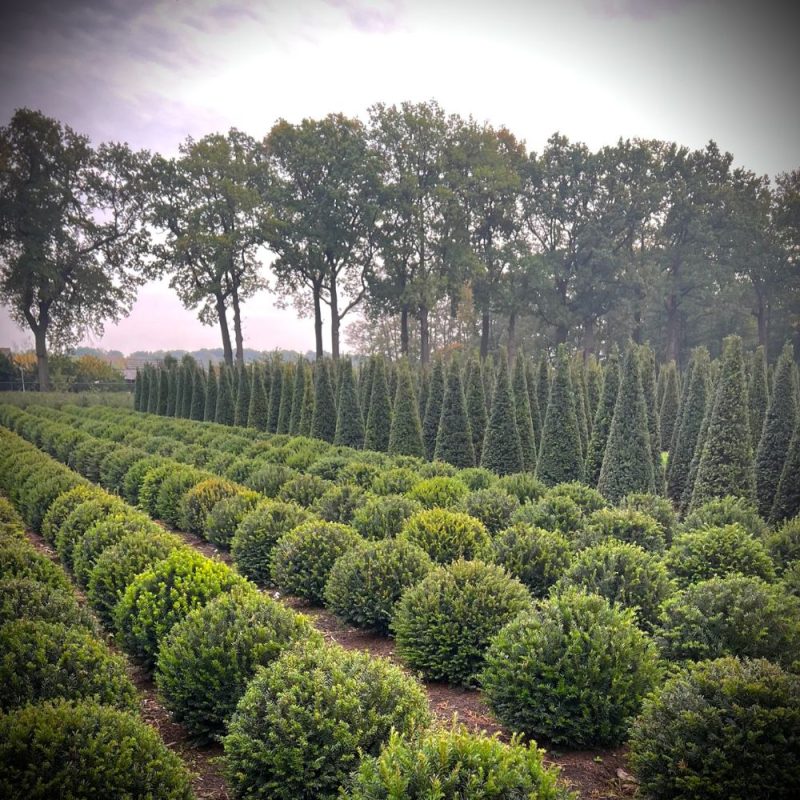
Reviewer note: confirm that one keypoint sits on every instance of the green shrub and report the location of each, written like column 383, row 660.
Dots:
column 226, row 516
column 447, row 535
column 365, row 583
column 586, row 498
column 26, row 598
column 117, row 567
column 269, row 478
column 40, row 493
column 328, row 467
column 207, row 660
column 558, row 513
column 18, row 559
column 304, row 490
column 731, row 616
column 84, row 750
column 307, row 719
column 625, row 574
column 720, row 729
column 659, row 508
column 624, row 525
column 538, row 558
column 726, row 511
column 134, row 477
column 360, row 473
column 164, row 595
column 81, row 520
column 791, row 579
column 383, row 517
column 455, row 765
column 302, row 559
column 784, row 543
column 493, row 507
column 709, row 552
column 115, row 465
column 475, row 478
column 200, row 499
column 339, row 503
column 398, row 480
column 438, row 492
column 171, row 491
column 151, row 484
column 443, row 625
column 437, row 469
column 63, row 506
column 575, row 670
column 45, row 660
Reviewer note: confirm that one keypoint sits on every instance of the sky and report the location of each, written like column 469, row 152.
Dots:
column 152, row 72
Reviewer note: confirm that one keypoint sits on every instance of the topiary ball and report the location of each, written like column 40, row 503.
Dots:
column 18, row 559
column 25, row 598
column 657, row 507
column 784, row 543
column 83, row 750
column 307, row 719
column 559, row 513
column 383, row 517
column 525, row 486
column 226, row 516
column 269, row 478
column 493, row 507
column 365, row 584
column 447, row 535
column 441, row 491
column 397, row 480
column 302, row 559
column 200, row 499
column 80, row 520
column 574, row 670
column 339, row 503
column 443, row 625
column 624, row 525
column 726, row 511
column 63, row 506
column 475, row 478
column 304, row 490
column 587, row 498
column 720, row 729
column 207, row 660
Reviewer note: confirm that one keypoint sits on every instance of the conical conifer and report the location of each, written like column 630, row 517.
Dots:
column 391, row 379
column 543, row 387
column 647, row 367
column 726, row 461
column 489, row 373
column 242, row 396
column 787, row 496
column 307, row 410
column 758, row 395
column 137, row 391
column 257, row 409
column 163, row 391
column 533, row 400
column 379, row 414
column 502, row 450
column 602, row 420
column 152, row 391
column 668, row 410
column 522, row 410
column 349, row 421
column 323, row 421
column 433, row 409
column 594, row 388
column 276, row 389
column 178, row 391
column 224, row 410
column 297, row 396
column 454, row 437
column 287, row 399
column 560, row 449
column 420, row 382
column 405, row 435
column 169, row 409
column 365, row 377
column 685, row 383
column 198, row 395
column 579, row 393
column 210, row 407
column 476, row 408
column 628, row 459
column 776, row 435
column 188, row 387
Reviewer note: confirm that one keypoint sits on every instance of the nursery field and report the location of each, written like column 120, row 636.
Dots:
column 259, row 614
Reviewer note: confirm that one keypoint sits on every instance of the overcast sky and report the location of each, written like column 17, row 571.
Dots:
column 151, row 72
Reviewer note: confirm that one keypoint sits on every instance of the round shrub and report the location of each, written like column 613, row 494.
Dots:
column 559, row 513
column 659, row 508
column 269, row 478
column 339, row 503
column 87, row 457
column 46, row 660
column 304, row 490
column 383, row 517
column 398, row 480
column 436, row 469
column 80, row 520
column 207, row 660
column 360, row 473
column 790, row 580
column 259, row 532
column 81, row 750
column 8, row 514
column 25, row 598
column 538, row 558
column 708, row 552
column 134, row 477
column 625, row 574
column 575, row 670
column 720, row 729
column 306, row 720
column 493, row 507
column 328, row 467
column 20, row 560
column 525, row 486
column 164, row 595
column 731, row 616
column 624, row 525
column 41, row 492
column 447, row 535
column 438, row 492
column 237, row 470
column 784, row 543
column 117, row 567
column 226, row 516
column 302, row 559
column 365, row 584
column 586, row 498
column 725, row 511
column 475, row 478
column 115, row 465
column 443, row 625
column 63, row 506
column 151, row 484
column 171, row 491
column 200, row 499
column 460, row 765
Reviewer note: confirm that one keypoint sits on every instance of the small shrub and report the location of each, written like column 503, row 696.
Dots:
column 114, row 467
column 659, row 508
column 200, row 499
column 171, row 491
column 586, row 498
column 365, row 584
column 791, row 579
column 575, row 670
column 623, row 525
column 436, row 469
column 45, row 660
column 538, row 558
column 304, row 490
column 207, row 660
column 25, row 598
column 269, row 478
column 525, row 486
column 398, row 480
column 438, row 492
column 360, row 473
column 82, row 750
column 328, row 467
column 307, row 719
column 339, row 503
column 63, row 506
column 447, row 535
column 302, row 559
column 709, row 552
column 20, row 560
column 726, row 511
column 475, row 478
column 493, row 507
column 81, row 520
column 134, row 477
column 383, row 517
column 720, row 729
column 226, row 516
column 784, row 543
column 559, row 513
column 443, row 625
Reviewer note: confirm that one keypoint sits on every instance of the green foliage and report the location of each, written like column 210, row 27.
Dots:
column 323, row 421
column 522, row 410
column 224, row 410
column 659, row 508
column 207, row 660
column 365, row 583
column 259, row 401
column 18, row 559
column 405, row 435
column 304, row 490
column 784, row 543
column 476, row 407
column 715, row 552
column 134, row 477
column 758, row 394
column 77, row 750
column 444, row 624
column 721, row 729
column 302, row 559
column 44, row 660
column 574, row 670
column 340, row 503
column 787, row 496
column 63, row 506
column 379, row 415
column 200, row 499
column 224, row 518
column 269, row 478
column 475, row 478
column 210, row 407
column 553, row 513
column 668, row 408
column 349, row 420
column 493, row 507
column 307, row 719
column 114, row 467
column 624, row 525
column 83, row 517
column 454, row 436
column 447, row 535
column 726, row 511
column 455, row 764
column 433, row 408
column 647, row 365
column 242, row 405
column 27, row 598
column 586, row 498
column 438, row 492
column 525, row 486
column 383, row 517
column 502, row 449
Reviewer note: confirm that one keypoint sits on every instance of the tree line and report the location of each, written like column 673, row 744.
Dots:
column 727, row 427
column 436, row 227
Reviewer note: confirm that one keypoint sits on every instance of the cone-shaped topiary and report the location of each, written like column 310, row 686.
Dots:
column 187, row 367
column 787, row 497
column 758, row 394
column 366, row 375
column 349, row 422
column 502, row 450
column 543, row 386
column 198, row 395
column 560, row 449
column 163, row 391
column 628, row 460
column 579, row 393
column 152, row 391
column 522, row 409
column 668, row 408
column 242, row 402
column 224, row 411
column 287, row 399
column 454, row 437
column 178, row 391
column 379, row 416
column 533, row 401
column 298, row 393
column 476, row 407
column 257, row 410
column 602, row 420
column 169, row 410
column 726, row 463
column 323, row 422
column 405, row 435
column 647, row 367
column 307, row 410
column 433, row 408
column 594, row 389
column 137, row 390
column 210, row 407
column 275, row 390
column 777, row 433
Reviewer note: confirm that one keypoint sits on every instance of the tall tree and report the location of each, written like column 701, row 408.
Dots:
column 259, row 402
column 349, row 420
column 210, row 408
column 668, row 408
column 198, row 394
column 405, row 436
column 323, row 421
column 287, row 399
column 476, row 408
column 648, row 371
column 433, row 408
column 300, row 378
column 603, row 419
column 379, row 415
column 454, row 437
column 502, row 450
column 522, row 410
column 758, row 389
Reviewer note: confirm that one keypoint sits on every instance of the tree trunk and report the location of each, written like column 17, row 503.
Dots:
column 512, row 336
column 237, row 328
column 485, row 329
column 318, row 322
column 41, row 358
column 222, row 315
column 424, row 336
column 335, row 321
column 404, row 331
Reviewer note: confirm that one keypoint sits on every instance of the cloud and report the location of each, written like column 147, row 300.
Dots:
column 383, row 16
